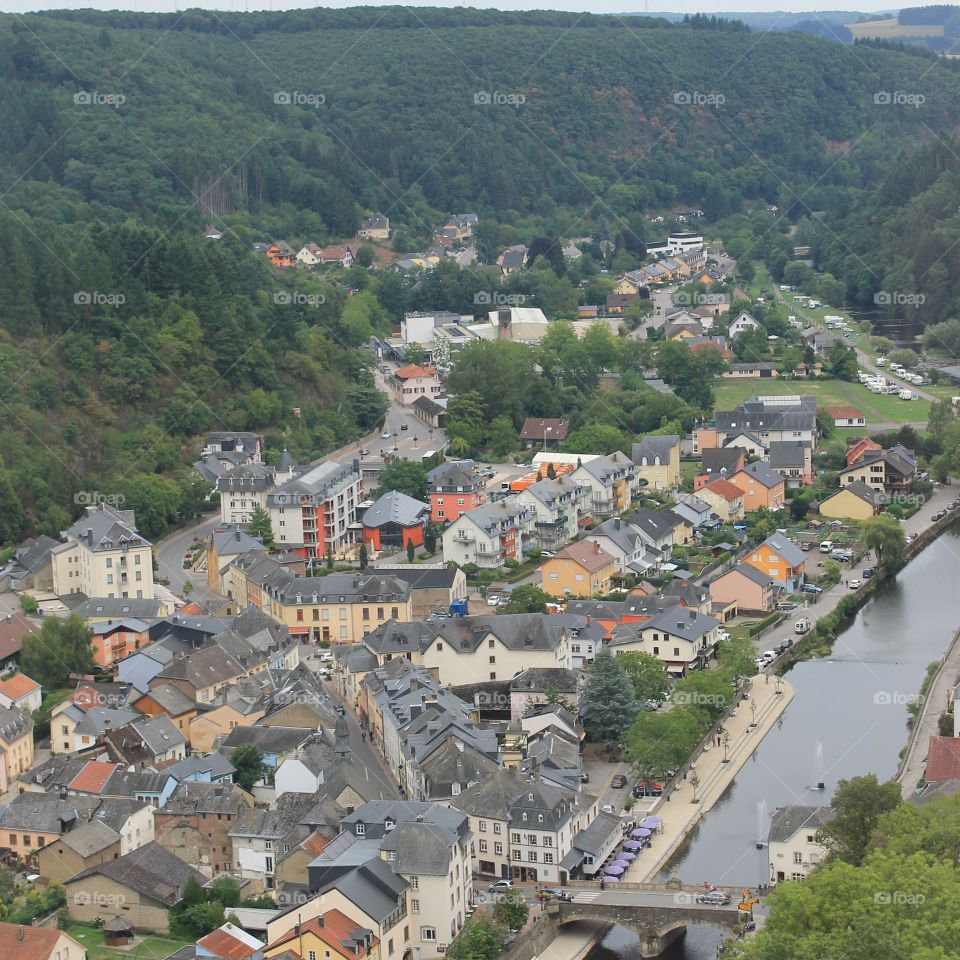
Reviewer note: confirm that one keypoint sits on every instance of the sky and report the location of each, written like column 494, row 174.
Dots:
column 590, row 6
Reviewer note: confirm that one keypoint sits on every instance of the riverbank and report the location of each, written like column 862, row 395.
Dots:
column 746, row 730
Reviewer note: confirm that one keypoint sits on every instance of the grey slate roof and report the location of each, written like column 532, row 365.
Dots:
column 14, row 724
column 860, row 489
column 230, row 541
column 539, row 679
column 97, row 720
column 594, row 838
column 653, row 446
column 90, row 838
column 216, row 764
column 789, row 551
column 721, row 461
column 271, row 740
column 788, row 820
column 396, row 507
column 751, row 573
column 102, row 528
column 681, row 622
column 118, row 608
column 763, row 473
column 34, row 555
column 372, row 886
column 248, row 477
column 516, row 631
column 46, row 812
column 787, row 453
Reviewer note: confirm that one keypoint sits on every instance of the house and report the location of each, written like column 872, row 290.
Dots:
column 146, row 743
column 770, row 418
column 432, row 412
column 524, row 829
column 281, row 254
column 725, row 499
column 229, row 942
column 14, row 627
column 34, row 566
column 223, row 450
column 793, row 460
column 750, row 444
column 195, row 824
column 148, row 881
column 847, row 417
column 889, row 471
column 104, row 556
column 545, row 432
column 243, row 489
column 226, row 543
column 943, row 760
column 375, row 227
column 19, row 692
column 657, row 460
column 751, row 371
column 855, row 501
column 618, row 302
column 752, row 590
column 519, row 324
column 743, row 321
column 489, row 535
column 681, row 328
column 697, row 512
column 533, row 686
column 513, row 258
column 658, row 529
column 16, row 744
column 581, row 569
column 330, row 935
column 858, row 446
column 212, row 768
column 411, row 382
column 395, row 521
column 781, row 560
column 453, row 490
column 559, row 506
column 792, row 841
column 718, row 462
column 763, row 488
column 682, row 638
column 114, row 640
column 310, row 255
column 433, row 586
column 344, row 254
column 25, row 942
column 611, row 480
column 624, row 544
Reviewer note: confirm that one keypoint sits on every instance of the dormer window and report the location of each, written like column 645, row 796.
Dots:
column 360, row 829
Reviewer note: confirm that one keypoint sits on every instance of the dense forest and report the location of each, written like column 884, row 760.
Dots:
column 124, row 334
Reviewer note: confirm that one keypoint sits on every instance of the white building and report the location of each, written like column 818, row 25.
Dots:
column 104, row 556
column 558, row 505
column 489, row 535
column 792, row 841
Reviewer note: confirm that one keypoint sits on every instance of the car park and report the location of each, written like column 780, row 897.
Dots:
column 618, row 781
column 716, row 898
column 855, row 584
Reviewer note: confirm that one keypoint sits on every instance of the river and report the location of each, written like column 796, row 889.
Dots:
column 848, row 717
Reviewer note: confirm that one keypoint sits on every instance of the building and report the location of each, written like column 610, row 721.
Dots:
column 25, row 942
column 657, row 460
column 104, row 556
column 855, row 501
column 489, row 535
column 622, row 541
column 243, row 489
column 858, row 446
column 763, row 487
column 611, row 481
column 14, row 627
column 582, row 569
column 888, row 471
column 770, row 418
column 393, row 521
column 16, row 744
column 147, row 882
column 847, row 417
column 781, row 560
column 281, row 254
column 725, row 499
column 559, row 507
column 152, row 742
column 524, row 829
column 433, row 586
column 718, row 462
column 793, row 460
column 683, row 639
column 792, row 841
column 114, row 640
column 411, row 382
column 312, row 514
column 330, row 935
column 19, row 692
column 454, row 489
column 752, row 590
column 375, row 227
column 342, row 254
column 742, row 322
column 544, row 432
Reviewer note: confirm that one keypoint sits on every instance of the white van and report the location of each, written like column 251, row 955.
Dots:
column 801, row 626
column 826, row 546
column 881, row 361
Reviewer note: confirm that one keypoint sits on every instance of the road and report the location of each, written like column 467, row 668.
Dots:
column 170, row 551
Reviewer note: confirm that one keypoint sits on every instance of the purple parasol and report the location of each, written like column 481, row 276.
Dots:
column 633, row 845
column 613, row 870
column 640, row 832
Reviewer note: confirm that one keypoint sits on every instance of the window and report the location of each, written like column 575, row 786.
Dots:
column 312, row 955
column 395, row 613
column 498, row 848
column 496, row 828
column 516, row 854
column 379, row 613
column 414, row 883
column 491, row 643
column 533, row 856
column 482, row 824
column 548, row 858
column 532, row 839
column 428, row 933
column 516, row 838
column 676, row 651
column 548, row 841
column 493, row 659
column 361, row 829
column 366, row 613
column 415, row 906
column 483, row 846
column 797, row 856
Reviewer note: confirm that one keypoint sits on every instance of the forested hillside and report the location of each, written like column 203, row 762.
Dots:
column 124, row 334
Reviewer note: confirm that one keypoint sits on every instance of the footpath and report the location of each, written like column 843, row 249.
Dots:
column 745, row 730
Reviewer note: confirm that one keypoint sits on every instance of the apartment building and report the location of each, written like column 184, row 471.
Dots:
column 454, row 489
column 611, row 481
column 104, row 556
column 558, row 505
column 489, row 535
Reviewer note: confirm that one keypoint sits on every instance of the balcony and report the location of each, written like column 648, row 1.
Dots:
column 465, row 536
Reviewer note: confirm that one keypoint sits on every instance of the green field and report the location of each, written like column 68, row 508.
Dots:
column 877, row 408
column 150, row 948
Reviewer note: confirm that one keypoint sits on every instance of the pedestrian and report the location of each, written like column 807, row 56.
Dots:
column 766, row 679
column 603, row 884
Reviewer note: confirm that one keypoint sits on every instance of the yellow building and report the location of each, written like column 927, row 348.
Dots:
column 205, row 728
column 332, row 935
column 657, row 460
column 583, row 569
column 16, row 744
column 856, row 501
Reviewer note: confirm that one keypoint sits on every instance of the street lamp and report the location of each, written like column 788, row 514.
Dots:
column 725, row 740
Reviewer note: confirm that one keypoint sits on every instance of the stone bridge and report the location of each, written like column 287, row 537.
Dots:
column 657, row 920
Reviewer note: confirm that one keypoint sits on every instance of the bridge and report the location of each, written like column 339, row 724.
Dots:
column 658, row 917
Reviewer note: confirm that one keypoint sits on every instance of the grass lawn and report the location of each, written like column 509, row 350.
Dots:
column 688, row 470
column 876, row 407
column 150, row 948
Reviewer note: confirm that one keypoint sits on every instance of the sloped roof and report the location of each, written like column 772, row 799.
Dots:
column 788, row 820
column 551, row 428
column 724, row 488
column 763, row 474
column 943, row 759
column 17, row 686
column 790, row 552
column 591, row 556
column 396, row 507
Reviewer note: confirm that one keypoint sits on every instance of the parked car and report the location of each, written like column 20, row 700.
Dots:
column 584, row 777
column 868, row 572
column 502, row 884
column 404, row 426
column 716, row 898
column 607, row 808
column 855, row 584
column 806, row 547
column 365, row 452
column 386, row 435
column 769, row 656
column 618, row 781
column 938, row 516
column 784, row 644
column 811, row 588
column 493, row 599
column 647, row 788
column 786, row 606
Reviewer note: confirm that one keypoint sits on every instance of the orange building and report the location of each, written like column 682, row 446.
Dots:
column 113, row 640
column 763, row 488
column 394, row 520
column 583, row 569
column 453, row 491
column 281, row 254
column 779, row 559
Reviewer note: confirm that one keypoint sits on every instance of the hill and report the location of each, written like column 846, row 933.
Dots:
column 124, row 334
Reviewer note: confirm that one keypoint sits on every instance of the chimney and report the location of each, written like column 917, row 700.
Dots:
column 596, row 547
column 589, row 620
column 20, row 933
column 616, row 524
column 693, row 614
column 320, row 922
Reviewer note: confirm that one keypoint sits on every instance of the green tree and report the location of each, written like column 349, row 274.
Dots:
column 658, row 742
column 247, row 760
column 411, row 551
column 647, row 674
column 527, row 599
column 430, row 539
column 511, row 910
column 364, row 556
column 260, row 526
column 366, row 255
column 404, row 476
column 13, row 518
column 735, row 658
column 885, row 537
column 478, row 940
column 608, row 704
column 858, row 804
column 57, row 650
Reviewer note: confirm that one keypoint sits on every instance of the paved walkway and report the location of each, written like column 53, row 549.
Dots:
column 680, row 813
column 574, row 941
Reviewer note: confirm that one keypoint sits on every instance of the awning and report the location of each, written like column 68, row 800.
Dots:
column 571, row 861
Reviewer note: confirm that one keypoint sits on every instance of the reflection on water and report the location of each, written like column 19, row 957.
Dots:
column 848, row 717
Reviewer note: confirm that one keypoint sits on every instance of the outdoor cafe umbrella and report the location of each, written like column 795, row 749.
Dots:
column 651, row 821
column 620, row 862
column 611, row 879
column 640, row 832
column 613, row 870
column 626, row 855
column 633, row 845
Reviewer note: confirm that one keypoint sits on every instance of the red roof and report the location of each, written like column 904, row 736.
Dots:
column 538, row 428
column 93, row 777
column 227, row 947
column 845, row 413
column 591, row 556
column 943, row 759
column 17, row 686
column 724, row 488
column 22, row 942
column 412, row 370
column 192, row 609
column 336, row 928
column 316, row 843
column 13, row 629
